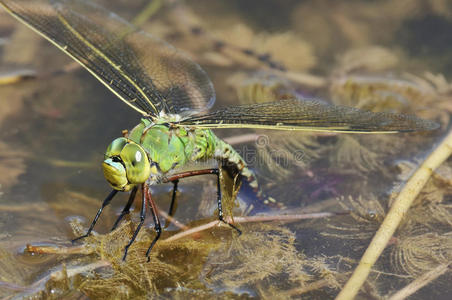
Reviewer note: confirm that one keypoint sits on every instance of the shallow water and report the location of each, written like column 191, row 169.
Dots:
column 55, row 128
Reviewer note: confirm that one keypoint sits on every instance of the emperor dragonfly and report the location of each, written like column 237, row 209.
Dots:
column 172, row 93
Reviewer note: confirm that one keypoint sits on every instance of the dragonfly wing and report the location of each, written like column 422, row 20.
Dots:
column 143, row 71
column 309, row 115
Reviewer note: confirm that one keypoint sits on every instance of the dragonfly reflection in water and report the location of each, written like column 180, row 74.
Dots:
column 172, row 94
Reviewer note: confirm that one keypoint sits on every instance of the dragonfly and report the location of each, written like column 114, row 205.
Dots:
column 173, row 95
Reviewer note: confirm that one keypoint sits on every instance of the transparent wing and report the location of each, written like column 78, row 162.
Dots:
column 143, row 71
column 309, row 115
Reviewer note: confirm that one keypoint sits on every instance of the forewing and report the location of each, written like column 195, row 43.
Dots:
column 143, row 71
column 309, row 115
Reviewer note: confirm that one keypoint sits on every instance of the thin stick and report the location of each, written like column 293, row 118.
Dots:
column 59, row 250
column 398, row 210
column 192, row 231
column 295, row 217
column 420, row 282
column 173, row 220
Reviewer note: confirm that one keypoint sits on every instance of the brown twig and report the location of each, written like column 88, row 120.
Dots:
column 58, row 249
column 286, row 218
column 173, row 220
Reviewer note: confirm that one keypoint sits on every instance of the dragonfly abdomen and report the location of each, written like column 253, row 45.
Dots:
column 228, row 155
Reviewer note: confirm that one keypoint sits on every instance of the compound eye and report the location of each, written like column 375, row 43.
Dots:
column 133, row 154
column 136, row 163
column 115, row 148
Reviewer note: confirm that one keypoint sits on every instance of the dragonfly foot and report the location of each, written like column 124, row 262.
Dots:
column 126, row 249
column 239, row 232
column 80, row 237
column 158, row 230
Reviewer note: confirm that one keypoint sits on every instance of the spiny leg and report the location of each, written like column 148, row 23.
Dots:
column 105, row 203
column 173, row 202
column 220, row 204
column 126, row 208
column 215, row 171
column 155, row 216
column 175, row 180
column 142, row 217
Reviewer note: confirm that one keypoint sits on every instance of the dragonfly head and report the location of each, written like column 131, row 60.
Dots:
column 125, row 164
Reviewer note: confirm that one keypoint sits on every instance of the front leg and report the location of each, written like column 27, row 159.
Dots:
column 105, row 203
column 126, row 208
column 142, row 217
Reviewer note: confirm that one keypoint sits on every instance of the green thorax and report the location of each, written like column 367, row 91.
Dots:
column 170, row 147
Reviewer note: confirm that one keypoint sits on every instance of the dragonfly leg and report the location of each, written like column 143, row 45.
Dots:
column 173, row 202
column 105, row 203
column 155, row 216
column 142, row 217
column 126, row 208
column 220, row 204
column 181, row 175
column 215, row 171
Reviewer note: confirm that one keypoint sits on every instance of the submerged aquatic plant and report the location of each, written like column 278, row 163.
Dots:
column 415, row 253
column 365, row 217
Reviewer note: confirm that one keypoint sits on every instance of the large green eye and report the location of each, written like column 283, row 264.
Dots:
column 136, row 163
column 115, row 148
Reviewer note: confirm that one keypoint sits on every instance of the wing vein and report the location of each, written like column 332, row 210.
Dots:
column 112, row 63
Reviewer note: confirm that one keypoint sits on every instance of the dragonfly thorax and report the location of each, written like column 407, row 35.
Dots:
column 126, row 164
column 168, row 147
